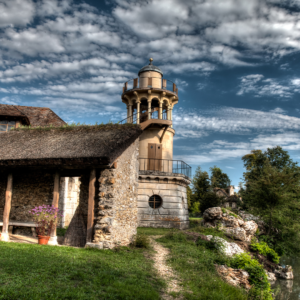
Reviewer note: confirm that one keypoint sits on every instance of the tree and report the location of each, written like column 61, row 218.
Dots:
column 201, row 184
column 218, row 178
column 210, row 200
column 256, row 160
column 272, row 192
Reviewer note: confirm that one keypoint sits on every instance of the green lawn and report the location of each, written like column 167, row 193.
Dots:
column 47, row 272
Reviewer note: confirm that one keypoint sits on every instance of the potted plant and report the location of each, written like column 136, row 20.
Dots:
column 46, row 217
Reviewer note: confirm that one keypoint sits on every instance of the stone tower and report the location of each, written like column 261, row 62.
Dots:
column 162, row 199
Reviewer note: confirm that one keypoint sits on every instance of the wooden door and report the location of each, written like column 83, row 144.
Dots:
column 154, row 156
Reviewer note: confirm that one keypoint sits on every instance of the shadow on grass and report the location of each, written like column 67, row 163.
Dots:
column 47, row 272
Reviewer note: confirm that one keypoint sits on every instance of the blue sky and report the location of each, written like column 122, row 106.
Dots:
column 236, row 64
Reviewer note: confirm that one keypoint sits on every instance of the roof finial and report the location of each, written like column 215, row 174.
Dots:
column 151, row 60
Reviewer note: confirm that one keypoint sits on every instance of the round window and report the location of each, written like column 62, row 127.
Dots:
column 155, row 201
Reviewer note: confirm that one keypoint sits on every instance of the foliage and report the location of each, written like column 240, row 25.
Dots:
column 257, row 275
column 46, row 218
column 32, row 272
column 141, row 241
column 218, row 178
column 195, row 208
column 265, row 250
column 273, row 194
column 72, row 126
column 153, row 231
column 201, row 186
column 210, row 200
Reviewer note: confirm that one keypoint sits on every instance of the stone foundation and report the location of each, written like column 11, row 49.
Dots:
column 173, row 213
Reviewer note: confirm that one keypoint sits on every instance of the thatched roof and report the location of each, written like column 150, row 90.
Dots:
column 33, row 116
column 85, row 145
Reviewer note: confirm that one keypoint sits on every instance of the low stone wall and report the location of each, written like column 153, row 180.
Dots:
column 173, row 212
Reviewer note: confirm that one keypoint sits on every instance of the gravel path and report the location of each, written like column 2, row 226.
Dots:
column 166, row 272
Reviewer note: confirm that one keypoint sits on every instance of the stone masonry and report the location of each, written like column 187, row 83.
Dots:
column 116, row 215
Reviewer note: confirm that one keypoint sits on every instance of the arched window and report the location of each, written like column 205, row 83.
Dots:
column 155, row 201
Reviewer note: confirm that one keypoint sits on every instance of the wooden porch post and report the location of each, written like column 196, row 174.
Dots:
column 53, row 238
column 91, row 205
column 7, row 207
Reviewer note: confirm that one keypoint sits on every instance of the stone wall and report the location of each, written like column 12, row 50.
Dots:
column 30, row 189
column 116, row 214
column 173, row 213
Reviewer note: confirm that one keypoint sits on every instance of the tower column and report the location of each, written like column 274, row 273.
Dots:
column 171, row 114
column 160, row 110
column 149, row 107
column 138, row 104
column 130, row 113
column 127, row 106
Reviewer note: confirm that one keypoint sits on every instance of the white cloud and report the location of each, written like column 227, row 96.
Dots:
column 16, row 12
column 221, row 150
column 278, row 110
column 195, row 124
column 260, row 87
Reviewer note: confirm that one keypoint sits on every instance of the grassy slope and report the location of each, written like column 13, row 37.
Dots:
column 47, row 272
column 195, row 265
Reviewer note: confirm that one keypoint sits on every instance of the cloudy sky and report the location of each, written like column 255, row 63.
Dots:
column 236, row 64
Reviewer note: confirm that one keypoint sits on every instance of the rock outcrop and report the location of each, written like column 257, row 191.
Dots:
column 227, row 248
column 235, row 277
column 233, row 226
column 284, row 272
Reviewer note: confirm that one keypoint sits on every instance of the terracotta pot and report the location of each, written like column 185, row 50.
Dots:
column 43, row 240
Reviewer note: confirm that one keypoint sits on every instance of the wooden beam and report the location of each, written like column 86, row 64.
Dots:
column 91, row 205
column 55, row 197
column 7, row 207
column 56, row 190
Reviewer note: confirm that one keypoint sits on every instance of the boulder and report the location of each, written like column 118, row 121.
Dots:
column 236, row 233
column 228, row 249
column 250, row 227
column 230, row 222
column 235, row 277
column 213, row 213
column 285, row 273
column 271, row 276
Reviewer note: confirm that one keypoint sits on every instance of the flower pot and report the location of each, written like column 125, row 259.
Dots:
column 43, row 240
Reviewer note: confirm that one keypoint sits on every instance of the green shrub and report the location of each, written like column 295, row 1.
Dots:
column 141, row 241
column 257, row 275
column 264, row 249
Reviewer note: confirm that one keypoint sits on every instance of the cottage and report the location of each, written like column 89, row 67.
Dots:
column 105, row 157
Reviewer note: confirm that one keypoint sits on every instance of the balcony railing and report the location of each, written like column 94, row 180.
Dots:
column 144, row 116
column 166, row 166
column 150, row 82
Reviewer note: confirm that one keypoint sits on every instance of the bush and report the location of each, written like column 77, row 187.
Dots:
column 210, row 200
column 264, row 249
column 257, row 275
column 141, row 241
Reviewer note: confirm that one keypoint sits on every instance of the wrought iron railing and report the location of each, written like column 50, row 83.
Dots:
column 165, row 84
column 144, row 117
column 166, row 166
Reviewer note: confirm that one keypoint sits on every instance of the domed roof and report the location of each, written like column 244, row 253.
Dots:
column 150, row 67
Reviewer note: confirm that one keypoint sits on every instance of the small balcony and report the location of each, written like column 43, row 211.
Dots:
column 164, row 167
column 157, row 83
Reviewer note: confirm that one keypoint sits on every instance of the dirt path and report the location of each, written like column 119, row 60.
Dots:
column 166, row 272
